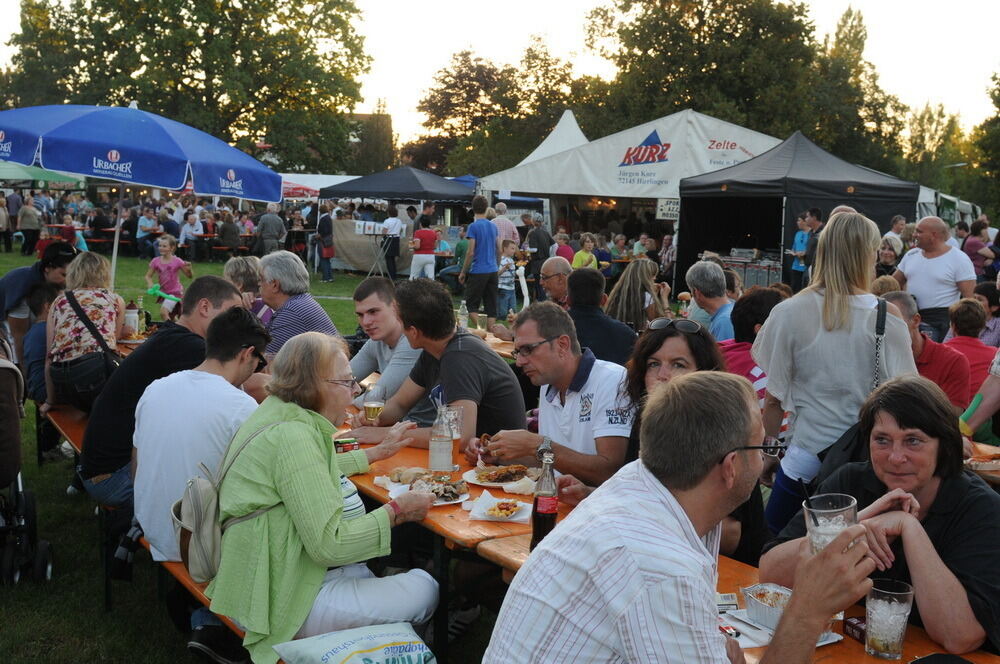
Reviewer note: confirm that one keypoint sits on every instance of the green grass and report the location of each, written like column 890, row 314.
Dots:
column 64, row 620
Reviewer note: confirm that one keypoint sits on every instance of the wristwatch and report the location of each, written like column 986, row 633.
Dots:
column 545, row 447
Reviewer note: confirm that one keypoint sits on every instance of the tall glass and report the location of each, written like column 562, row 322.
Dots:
column 830, row 514
column 455, row 421
column 887, row 608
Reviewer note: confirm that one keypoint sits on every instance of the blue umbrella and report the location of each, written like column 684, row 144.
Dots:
column 132, row 147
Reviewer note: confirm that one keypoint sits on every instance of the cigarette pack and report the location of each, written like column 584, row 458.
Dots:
column 855, row 628
column 726, row 602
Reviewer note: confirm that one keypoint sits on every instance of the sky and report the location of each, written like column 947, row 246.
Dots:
column 924, row 50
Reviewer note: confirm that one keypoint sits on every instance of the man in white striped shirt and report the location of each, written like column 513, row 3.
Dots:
column 630, row 575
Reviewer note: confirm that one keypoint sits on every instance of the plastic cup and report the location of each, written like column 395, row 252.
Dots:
column 887, row 609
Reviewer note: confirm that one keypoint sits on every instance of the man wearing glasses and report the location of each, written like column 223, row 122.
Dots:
column 631, row 574
column 584, row 416
column 554, row 280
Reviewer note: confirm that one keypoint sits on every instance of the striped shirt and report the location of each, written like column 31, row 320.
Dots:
column 300, row 313
column 624, row 578
column 506, row 279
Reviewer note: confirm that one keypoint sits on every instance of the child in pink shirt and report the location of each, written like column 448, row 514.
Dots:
column 166, row 266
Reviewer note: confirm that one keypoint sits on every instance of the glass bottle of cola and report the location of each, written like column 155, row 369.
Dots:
column 546, row 505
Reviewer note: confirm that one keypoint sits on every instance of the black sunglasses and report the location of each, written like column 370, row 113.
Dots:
column 685, row 325
column 773, row 450
column 261, row 361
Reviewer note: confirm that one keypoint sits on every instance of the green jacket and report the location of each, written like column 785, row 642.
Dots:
column 273, row 565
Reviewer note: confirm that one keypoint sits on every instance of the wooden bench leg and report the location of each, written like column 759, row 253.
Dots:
column 442, row 562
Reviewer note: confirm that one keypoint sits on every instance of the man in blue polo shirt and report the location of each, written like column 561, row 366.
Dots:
column 584, row 417
column 481, row 280
column 707, row 283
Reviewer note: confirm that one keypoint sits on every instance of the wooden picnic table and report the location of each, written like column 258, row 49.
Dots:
column 991, row 476
column 504, row 349
column 450, row 523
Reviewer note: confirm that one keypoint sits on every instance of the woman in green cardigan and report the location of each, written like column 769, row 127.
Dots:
column 298, row 570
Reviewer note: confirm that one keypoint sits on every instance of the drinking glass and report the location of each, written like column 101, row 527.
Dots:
column 887, row 608
column 481, row 321
column 829, row 515
column 373, row 408
column 455, row 421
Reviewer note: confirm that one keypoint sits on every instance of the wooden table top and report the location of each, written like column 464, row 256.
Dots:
column 504, row 349
column 449, row 521
column 734, row 575
column 507, row 552
column 70, row 423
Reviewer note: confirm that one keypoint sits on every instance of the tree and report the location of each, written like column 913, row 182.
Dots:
column 274, row 71
column 933, row 144
column 428, row 153
column 374, row 148
column 466, row 94
column 853, row 117
column 745, row 61
column 986, row 142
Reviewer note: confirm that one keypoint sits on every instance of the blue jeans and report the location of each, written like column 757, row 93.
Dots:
column 115, row 491
column 506, row 301
column 784, row 503
column 144, row 245
column 449, row 276
column 324, row 266
column 202, row 617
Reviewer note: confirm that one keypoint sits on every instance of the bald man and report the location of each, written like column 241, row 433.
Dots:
column 554, row 278
column 936, row 274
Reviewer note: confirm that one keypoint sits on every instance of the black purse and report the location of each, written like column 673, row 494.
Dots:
column 109, row 358
column 852, row 446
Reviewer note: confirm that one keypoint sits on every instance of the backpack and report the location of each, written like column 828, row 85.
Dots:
column 196, row 517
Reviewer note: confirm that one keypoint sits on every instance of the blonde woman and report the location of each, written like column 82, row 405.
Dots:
column 75, row 370
column 818, row 350
column 636, row 298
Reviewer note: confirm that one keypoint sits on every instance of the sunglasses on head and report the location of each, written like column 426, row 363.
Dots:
column 685, row 325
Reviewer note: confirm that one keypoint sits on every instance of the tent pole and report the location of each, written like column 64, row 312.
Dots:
column 781, row 235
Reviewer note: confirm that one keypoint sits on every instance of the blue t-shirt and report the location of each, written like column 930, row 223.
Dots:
column 34, row 361
column 484, row 260
column 721, row 326
column 799, row 244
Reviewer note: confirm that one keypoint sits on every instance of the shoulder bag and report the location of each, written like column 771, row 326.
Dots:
column 851, row 446
column 100, row 364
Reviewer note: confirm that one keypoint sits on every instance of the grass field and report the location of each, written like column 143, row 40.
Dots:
column 64, row 620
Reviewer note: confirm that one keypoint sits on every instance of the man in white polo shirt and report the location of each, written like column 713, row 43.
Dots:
column 936, row 274
column 584, row 415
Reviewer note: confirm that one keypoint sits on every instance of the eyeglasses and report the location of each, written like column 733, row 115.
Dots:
column 261, row 360
column 528, row 349
column 349, row 383
column 543, row 277
column 685, row 325
column 773, row 449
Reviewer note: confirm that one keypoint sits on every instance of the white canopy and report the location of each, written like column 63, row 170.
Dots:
column 566, row 135
column 647, row 161
column 315, row 180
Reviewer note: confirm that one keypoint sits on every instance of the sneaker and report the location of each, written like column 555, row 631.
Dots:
column 73, row 491
column 67, row 450
column 217, row 644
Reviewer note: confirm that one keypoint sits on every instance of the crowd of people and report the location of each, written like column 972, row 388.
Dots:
column 681, row 429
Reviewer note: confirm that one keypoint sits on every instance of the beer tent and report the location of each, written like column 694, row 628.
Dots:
column 754, row 204
column 646, row 161
column 566, row 135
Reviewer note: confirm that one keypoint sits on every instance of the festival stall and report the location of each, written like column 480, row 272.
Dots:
column 636, row 171
column 406, row 185
column 753, row 205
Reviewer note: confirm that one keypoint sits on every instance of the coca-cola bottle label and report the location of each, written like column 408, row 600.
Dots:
column 548, row 504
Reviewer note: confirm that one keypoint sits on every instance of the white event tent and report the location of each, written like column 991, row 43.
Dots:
column 566, row 135
column 647, row 161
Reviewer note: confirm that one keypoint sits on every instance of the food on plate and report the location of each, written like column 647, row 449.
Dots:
column 133, row 336
column 684, row 296
column 445, row 491
column 405, row 475
column 500, row 474
column 983, row 462
column 504, row 509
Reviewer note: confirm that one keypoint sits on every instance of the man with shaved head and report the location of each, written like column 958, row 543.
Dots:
column 554, row 278
column 936, row 274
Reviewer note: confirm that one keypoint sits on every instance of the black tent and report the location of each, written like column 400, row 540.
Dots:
column 754, row 204
column 404, row 183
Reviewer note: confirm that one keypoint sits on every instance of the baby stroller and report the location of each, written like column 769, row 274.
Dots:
column 20, row 549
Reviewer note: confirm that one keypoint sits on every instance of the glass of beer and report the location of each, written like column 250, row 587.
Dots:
column 455, row 421
column 373, row 409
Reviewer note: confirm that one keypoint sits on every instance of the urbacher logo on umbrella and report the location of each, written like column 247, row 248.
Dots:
column 133, row 146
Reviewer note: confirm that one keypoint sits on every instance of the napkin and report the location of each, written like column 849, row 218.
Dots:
column 525, row 485
column 486, row 501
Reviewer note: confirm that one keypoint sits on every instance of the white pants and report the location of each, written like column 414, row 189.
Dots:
column 422, row 265
column 351, row 596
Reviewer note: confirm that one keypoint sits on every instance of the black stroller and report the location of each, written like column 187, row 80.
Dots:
column 20, row 549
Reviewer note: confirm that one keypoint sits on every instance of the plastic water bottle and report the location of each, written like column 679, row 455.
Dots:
column 463, row 315
column 440, row 446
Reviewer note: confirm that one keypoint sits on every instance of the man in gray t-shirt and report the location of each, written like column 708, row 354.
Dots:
column 387, row 350
column 271, row 229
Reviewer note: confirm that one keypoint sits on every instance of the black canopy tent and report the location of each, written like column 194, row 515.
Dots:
column 754, row 204
column 405, row 183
